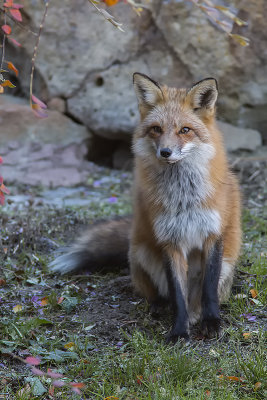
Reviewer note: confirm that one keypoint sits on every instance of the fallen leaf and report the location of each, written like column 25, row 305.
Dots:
column 69, row 346
column 139, row 379
column 79, row 385
column 54, row 374
column 44, row 301
column 1, row 89
column 257, row 386
column 2, row 282
column 37, row 371
column 60, row 300
column 17, row 308
column 232, row 378
column 247, row 335
column 33, row 360
column 254, row 293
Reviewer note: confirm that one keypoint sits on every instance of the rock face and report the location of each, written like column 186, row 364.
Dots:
column 47, row 152
column 84, row 65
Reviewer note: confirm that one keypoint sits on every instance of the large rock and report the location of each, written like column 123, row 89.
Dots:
column 239, row 138
column 85, row 60
column 18, row 123
column 49, row 151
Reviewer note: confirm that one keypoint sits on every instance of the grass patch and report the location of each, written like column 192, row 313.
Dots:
column 94, row 330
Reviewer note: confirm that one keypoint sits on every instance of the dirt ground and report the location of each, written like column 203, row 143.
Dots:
column 101, row 307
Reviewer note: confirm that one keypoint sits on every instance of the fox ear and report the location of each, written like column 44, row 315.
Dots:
column 148, row 91
column 203, row 94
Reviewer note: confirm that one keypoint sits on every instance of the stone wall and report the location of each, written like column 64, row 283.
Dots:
column 85, row 65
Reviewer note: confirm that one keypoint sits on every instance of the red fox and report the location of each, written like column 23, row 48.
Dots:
column 184, row 237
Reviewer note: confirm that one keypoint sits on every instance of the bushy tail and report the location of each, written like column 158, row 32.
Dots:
column 103, row 246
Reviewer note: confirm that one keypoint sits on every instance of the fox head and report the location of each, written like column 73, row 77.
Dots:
column 174, row 123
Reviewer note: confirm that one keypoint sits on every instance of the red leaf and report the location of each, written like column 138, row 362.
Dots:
column 32, row 360
column 16, row 14
column 8, row 3
column 39, row 102
column 6, row 29
column 12, row 67
column 4, row 189
column 14, row 42
column 1, row 160
column 1, row 180
column 17, row 5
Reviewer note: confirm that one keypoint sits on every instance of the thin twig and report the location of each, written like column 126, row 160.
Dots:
column 36, row 48
column 3, row 46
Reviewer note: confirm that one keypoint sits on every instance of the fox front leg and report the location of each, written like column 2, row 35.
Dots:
column 210, row 300
column 176, row 272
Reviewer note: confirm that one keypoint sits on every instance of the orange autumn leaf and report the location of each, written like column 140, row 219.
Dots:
column 12, row 67
column 254, row 293
column 111, row 3
column 1, row 89
column 257, row 386
column 246, row 335
column 232, row 378
column 78, row 385
column 6, row 29
column 8, row 84
column 44, row 301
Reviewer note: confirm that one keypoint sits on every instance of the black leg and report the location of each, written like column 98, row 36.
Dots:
column 210, row 301
column 176, row 277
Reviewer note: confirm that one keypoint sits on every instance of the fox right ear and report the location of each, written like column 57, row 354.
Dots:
column 148, row 91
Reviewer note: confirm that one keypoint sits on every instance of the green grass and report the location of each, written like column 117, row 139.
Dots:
column 141, row 366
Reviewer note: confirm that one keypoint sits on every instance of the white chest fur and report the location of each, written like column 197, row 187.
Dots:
column 181, row 189
column 188, row 228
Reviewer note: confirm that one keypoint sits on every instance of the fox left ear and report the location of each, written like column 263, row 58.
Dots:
column 148, row 91
column 203, row 94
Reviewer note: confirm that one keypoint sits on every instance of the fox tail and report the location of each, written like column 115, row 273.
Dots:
column 104, row 246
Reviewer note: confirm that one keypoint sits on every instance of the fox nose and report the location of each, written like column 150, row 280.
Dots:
column 166, row 152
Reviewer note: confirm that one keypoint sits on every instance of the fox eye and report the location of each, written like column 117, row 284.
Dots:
column 185, row 129
column 156, row 129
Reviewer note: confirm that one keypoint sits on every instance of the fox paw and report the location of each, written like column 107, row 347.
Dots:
column 211, row 327
column 173, row 336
